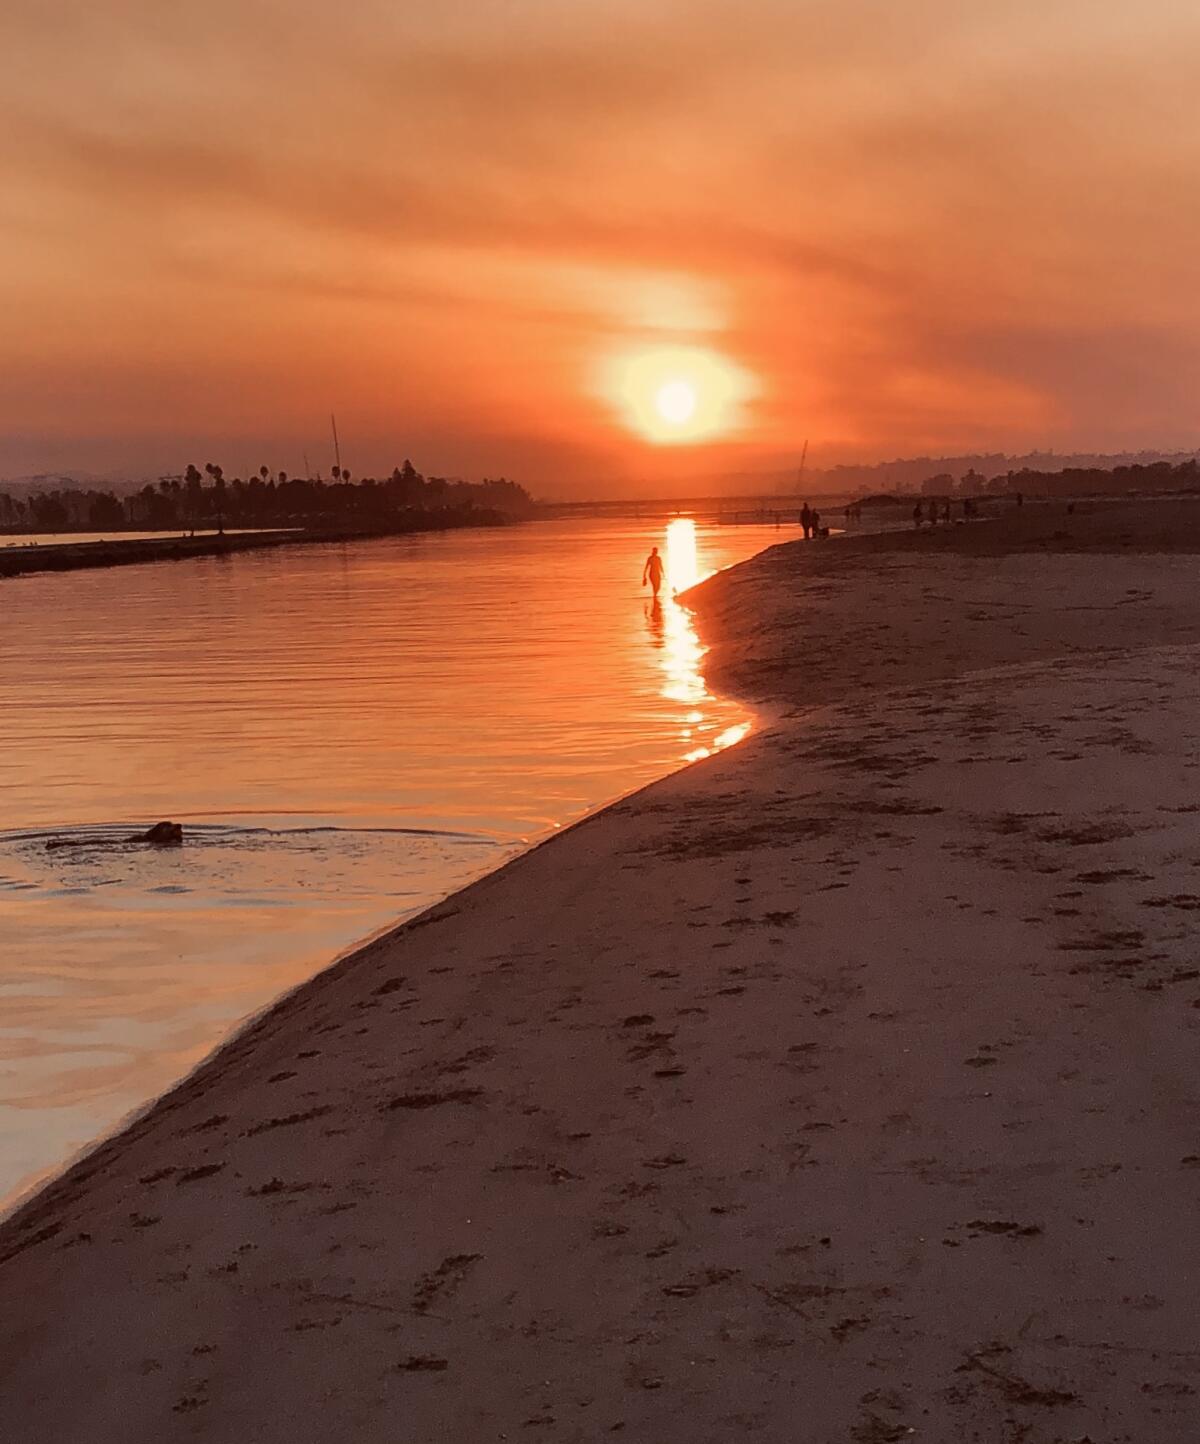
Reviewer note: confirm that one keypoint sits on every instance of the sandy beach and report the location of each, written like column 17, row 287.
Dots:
column 841, row 1087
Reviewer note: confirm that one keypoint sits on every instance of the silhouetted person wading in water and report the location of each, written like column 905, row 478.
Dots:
column 653, row 570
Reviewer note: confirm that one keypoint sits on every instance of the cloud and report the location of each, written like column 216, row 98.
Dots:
column 916, row 226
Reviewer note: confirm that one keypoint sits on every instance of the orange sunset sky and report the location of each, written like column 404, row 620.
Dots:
column 487, row 234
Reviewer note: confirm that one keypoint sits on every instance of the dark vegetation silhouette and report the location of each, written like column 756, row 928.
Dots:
column 1132, row 480
column 189, row 503
column 907, row 474
column 1156, row 476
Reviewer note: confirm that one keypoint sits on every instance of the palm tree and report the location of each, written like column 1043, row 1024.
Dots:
column 219, row 498
column 194, row 485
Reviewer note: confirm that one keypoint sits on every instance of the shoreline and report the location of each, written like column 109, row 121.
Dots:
column 687, row 1118
column 79, row 556
column 30, row 1191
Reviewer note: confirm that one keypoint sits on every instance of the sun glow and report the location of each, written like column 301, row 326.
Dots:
column 676, row 395
column 676, row 403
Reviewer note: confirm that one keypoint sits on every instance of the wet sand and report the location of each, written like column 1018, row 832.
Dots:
column 841, row 1087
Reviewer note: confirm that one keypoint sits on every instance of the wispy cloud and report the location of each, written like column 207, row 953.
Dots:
column 918, row 226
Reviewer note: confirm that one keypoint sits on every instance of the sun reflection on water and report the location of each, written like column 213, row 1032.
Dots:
column 673, row 631
column 375, row 733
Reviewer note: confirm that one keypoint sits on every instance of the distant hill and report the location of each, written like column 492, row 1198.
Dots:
column 907, row 474
column 68, row 481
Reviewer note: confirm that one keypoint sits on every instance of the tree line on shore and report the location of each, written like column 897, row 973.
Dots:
column 1071, row 481
column 206, row 500
column 906, row 474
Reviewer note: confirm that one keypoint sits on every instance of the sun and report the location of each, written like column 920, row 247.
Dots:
column 676, row 402
column 676, row 395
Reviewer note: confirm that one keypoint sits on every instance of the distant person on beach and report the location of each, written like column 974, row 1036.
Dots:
column 815, row 522
column 653, row 571
column 806, row 517
column 946, row 512
column 918, row 515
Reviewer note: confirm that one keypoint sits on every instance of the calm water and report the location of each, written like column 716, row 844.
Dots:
column 347, row 734
column 79, row 538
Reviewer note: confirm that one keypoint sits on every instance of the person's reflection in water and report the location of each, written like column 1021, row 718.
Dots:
column 655, row 622
column 653, row 571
